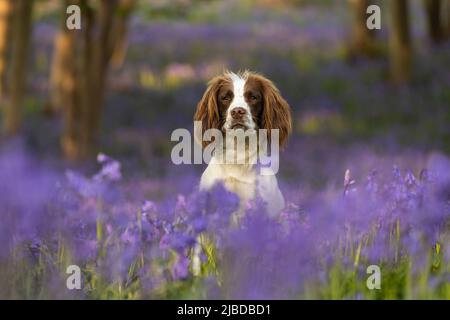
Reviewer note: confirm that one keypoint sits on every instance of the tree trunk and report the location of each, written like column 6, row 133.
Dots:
column 6, row 7
column 102, row 53
column 94, row 45
column 121, row 32
column 76, row 98
column 17, row 76
column 363, row 39
column 65, row 93
column 433, row 10
column 61, row 79
column 448, row 19
column 58, row 71
column 399, row 42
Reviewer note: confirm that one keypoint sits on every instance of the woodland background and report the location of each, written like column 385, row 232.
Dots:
column 136, row 70
column 86, row 176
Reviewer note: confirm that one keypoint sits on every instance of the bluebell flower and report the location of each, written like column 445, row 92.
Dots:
column 180, row 269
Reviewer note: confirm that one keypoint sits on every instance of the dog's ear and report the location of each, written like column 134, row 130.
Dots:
column 276, row 111
column 208, row 110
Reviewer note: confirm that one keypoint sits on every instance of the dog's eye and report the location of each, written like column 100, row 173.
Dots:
column 253, row 97
column 225, row 98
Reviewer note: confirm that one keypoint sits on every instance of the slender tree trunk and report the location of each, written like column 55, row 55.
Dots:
column 433, row 10
column 121, row 32
column 76, row 98
column 61, row 78
column 362, row 38
column 65, row 93
column 400, row 42
column 448, row 18
column 102, row 53
column 6, row 7
column 17, row 77
column 94, row 46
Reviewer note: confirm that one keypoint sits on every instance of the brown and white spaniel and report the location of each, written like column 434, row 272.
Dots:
column 247, row 102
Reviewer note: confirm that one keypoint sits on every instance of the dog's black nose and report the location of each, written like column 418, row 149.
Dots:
column 238, row 113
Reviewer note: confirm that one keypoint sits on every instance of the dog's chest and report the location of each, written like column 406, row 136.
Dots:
column 243, row 186
column 246, row 182
column 236, row 178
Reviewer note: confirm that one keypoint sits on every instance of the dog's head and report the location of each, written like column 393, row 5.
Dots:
column 244, row 101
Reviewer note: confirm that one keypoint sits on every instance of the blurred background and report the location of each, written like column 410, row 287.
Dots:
column 136, row 70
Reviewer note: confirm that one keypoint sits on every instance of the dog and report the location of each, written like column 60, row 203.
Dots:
column 244, row 102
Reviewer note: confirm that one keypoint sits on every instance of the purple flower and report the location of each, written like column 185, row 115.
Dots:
column 180, row 269
column 149, row 207
column 110, row 170
column 199, row 224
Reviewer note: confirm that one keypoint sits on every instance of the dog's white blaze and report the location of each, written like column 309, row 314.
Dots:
column 239, row 101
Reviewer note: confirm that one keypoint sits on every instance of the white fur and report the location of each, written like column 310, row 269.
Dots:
column 238, row 101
